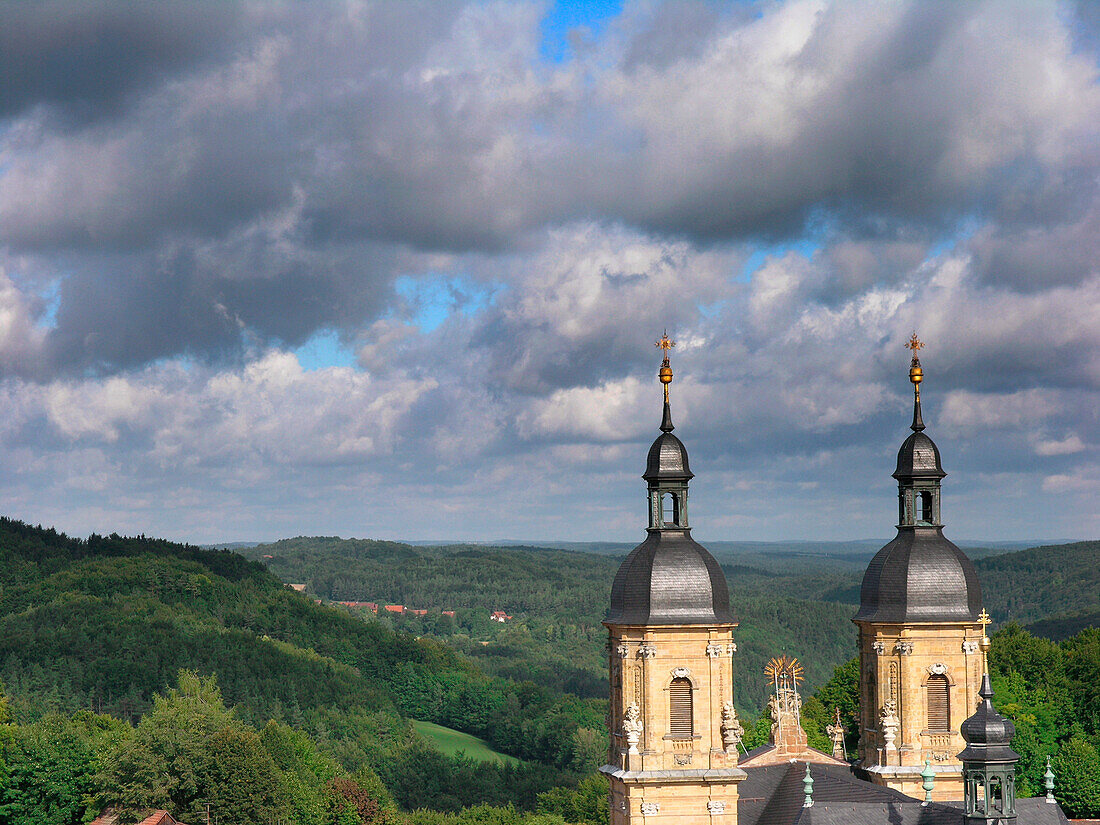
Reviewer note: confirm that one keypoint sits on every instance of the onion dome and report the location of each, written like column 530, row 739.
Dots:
column 669, row 578
column 920, row 576
column 988, row 735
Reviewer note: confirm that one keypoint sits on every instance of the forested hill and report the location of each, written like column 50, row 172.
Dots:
column 1042, row 582
column 107, row 622
column 798, row 600
column 558, row 599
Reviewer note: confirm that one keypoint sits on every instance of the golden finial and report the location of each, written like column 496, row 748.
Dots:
column 916, row 374
column 665, row 373
column 984, row 644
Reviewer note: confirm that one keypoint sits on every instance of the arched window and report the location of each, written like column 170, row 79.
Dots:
column 939, row 703
column 926, row 506
column 670, row 509
column 680, row 725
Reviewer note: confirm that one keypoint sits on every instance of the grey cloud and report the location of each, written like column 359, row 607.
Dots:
column 1036, row 258
column 217, row 303
column 394, row 127
column 87, row 57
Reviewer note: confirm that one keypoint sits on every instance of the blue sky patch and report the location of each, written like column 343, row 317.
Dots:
column 567, row 15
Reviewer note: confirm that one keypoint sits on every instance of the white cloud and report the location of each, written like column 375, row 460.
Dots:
column 1067, row 446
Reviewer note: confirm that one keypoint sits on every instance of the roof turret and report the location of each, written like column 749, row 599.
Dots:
column 988, row 735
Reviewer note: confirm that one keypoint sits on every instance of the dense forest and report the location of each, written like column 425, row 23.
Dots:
column 558, row 599
column 99, row 627
column 140, row 673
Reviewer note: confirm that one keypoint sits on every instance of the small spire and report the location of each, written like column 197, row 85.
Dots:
column 808, row 787
column 916, row 375
column 665, row 376
column 1048, row 782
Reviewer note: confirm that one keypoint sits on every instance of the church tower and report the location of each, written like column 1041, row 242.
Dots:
column 919, row 632
column 670, row 640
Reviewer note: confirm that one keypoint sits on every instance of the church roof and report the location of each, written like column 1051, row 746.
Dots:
column 670, row 579
column 912, row 812
column 667, row 460
column 920, row 576
column 774, row 795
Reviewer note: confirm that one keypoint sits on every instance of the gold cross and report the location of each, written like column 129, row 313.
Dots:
column 666, row 343
column 914, row 343
column 983, row 620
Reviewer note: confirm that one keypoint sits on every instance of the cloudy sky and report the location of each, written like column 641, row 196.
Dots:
column 396, row 269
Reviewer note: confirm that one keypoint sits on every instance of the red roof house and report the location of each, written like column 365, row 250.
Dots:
column 109, row 817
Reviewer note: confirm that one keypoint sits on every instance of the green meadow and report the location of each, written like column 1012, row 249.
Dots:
column 451, row 742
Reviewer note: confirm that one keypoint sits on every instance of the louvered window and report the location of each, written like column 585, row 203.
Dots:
column 679, row 701
column 939, row 707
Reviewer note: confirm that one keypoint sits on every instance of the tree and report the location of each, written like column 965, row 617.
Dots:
column 586, row 804
column 1077, row 778
column 819, row 711
column 190, row 751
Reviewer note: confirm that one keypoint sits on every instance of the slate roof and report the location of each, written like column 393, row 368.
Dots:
column 667, row 460
column 668, row 457
column 1028, row 812
column 920, row 576
column 774, row 795
column 670, row 579
column 988, row 735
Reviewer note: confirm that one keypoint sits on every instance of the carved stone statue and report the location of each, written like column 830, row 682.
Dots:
column 836, row 733
column 888, row 719
column 632, row 727
column 732, row 732
column 773, row 709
